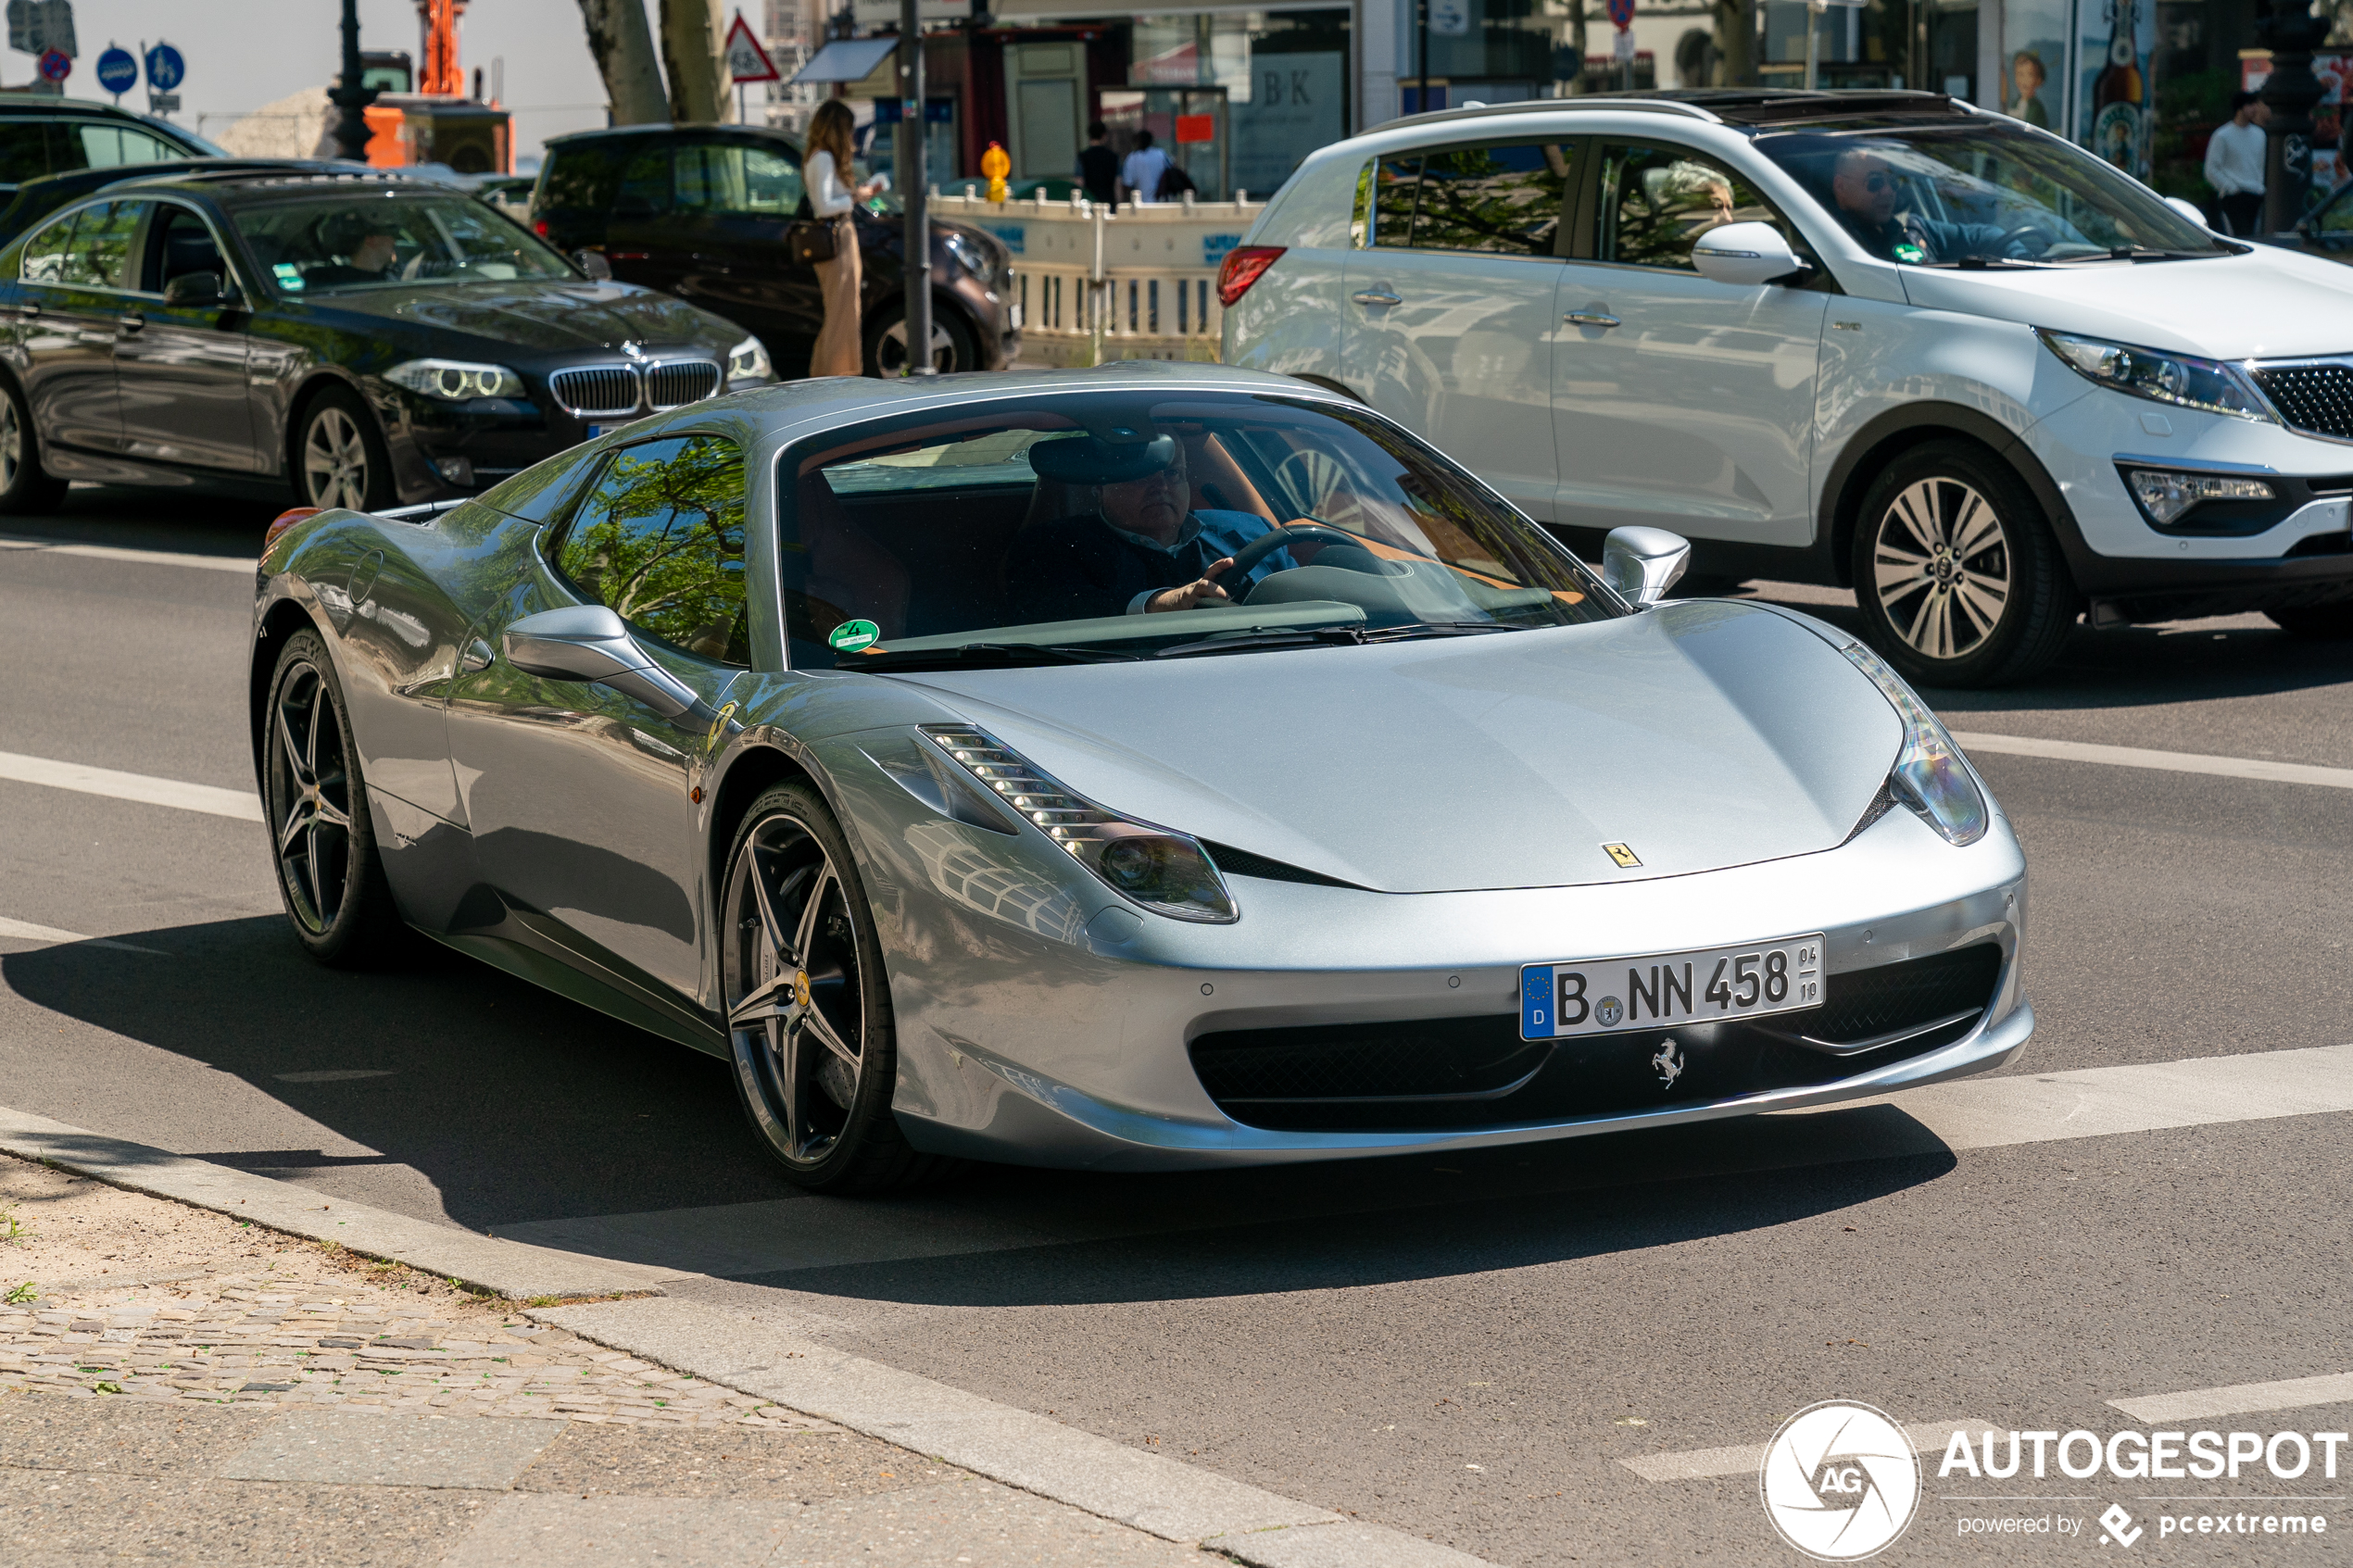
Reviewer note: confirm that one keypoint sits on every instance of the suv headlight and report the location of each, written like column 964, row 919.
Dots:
column 2207, row 385
column 748, row 361
column 1167, row 872
column 1929, row 775
column 455, row 381
column 966, row 253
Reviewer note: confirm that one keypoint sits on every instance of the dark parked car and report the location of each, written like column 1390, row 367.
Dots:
column 701, row 212
column 35, row 199
column 42, row 135
column 370, row 341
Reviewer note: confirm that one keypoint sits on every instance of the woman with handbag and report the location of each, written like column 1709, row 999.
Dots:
column 832, row 244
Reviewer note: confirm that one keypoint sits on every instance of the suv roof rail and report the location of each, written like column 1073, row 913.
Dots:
column 1732, row 105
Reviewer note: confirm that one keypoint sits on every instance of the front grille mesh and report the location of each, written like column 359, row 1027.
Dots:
column 679, row 382
column 2311, row 397
column 1864, row 1002
column 596, row 389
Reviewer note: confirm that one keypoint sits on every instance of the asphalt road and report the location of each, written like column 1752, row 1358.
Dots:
column 1463, row 1347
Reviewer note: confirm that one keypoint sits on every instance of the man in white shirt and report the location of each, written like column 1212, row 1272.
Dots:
column 2234, row 163
column 1141, row 174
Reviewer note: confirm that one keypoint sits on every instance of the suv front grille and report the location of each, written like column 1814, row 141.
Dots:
column 676, row 382
column 2315, row 397
column 592, row 390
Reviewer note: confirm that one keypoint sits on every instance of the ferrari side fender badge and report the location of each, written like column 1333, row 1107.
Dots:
column 1626, row 859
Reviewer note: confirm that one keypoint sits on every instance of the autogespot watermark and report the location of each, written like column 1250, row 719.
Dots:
column 1840, row 1481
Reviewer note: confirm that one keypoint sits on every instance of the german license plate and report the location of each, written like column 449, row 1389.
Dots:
column 1655, row 990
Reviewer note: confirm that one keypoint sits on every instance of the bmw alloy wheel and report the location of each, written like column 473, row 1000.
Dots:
column 1940, row 568
column 12, row 444
column 334, row 459
column 311, row 799
column 796, row 1001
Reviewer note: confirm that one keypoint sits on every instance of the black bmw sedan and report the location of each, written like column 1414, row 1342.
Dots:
column 364, row 341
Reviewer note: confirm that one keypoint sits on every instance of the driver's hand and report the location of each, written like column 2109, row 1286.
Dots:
column 1192, row 595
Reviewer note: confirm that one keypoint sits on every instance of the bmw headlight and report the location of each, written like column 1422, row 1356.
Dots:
column 748, row 361
column 1166, row 871
column 455, row 381
column 2206, row 384
column 1929, row 775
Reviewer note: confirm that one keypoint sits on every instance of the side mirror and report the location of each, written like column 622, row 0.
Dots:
column 2188, row 210
column 590, row 643
column 593, row 262
column 193, row 289
column 1642, row 563
column 1744, row 254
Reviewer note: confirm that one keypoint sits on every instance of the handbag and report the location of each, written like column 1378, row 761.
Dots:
column 808, row 243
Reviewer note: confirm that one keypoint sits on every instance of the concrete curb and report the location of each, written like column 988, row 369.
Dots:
column 1161, row 1497
column 509, row 1268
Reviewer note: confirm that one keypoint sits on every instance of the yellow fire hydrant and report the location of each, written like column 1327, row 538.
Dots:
column 996, row 165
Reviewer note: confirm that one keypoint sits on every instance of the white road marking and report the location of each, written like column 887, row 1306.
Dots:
column 1743, row 1458
column 25, row 931
column 207, row 799
column 2240, row 1399
column 2164, row 761
column 118, row 552
column 333, row 1074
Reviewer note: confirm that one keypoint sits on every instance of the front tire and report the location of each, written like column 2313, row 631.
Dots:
column 339, row 458
column 314, row 803
column 1957, row 576
column 951, row 342
column 26, row 488
column 809, row 1015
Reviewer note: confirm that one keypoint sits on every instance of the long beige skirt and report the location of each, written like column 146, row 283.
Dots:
column 838, row 352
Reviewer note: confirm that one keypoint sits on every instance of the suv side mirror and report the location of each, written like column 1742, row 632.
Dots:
column 1642, row 563
column 1745, row 255
column 593, row 262
column 2188, row 210
column 590, row 643
column 192, row 289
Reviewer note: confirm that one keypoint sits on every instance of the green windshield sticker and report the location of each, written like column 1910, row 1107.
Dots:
column 852, row 636
column 1910, row 253
column 289, row 276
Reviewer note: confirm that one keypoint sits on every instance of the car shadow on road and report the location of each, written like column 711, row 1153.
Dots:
column 200, row 520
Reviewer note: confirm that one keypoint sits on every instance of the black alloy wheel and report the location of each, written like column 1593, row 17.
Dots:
column 339, row 458
column 25, row 487
column 315, row 803
column 1957, row 576
column 2318, row 624
column 808, row 1003
column 951, row 341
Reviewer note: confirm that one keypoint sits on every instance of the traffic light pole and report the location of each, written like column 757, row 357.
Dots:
column 915, row 185
column 351, row 126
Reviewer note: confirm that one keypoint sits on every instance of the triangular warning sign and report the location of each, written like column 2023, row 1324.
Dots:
column 747, row 61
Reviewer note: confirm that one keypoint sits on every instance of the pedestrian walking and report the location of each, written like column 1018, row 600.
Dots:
column 1141, row 174
column 1098, row 166
column 2234, row 162
column 839, row 350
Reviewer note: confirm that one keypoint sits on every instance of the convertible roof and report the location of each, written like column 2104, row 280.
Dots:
column 1745, row 107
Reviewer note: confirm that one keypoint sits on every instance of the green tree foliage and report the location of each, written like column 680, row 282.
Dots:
column 661, row 541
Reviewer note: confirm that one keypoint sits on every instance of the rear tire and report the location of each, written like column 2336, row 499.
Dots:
column 1958, row 578
column 26, row 488
column 315, row 807
column 339, row 458
column 2316, row 623
column 951, row 342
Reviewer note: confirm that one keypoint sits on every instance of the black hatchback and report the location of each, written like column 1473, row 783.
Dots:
column 701, row 211
column 361, row 340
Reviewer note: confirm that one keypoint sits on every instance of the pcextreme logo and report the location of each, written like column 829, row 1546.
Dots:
column 1840, row 1482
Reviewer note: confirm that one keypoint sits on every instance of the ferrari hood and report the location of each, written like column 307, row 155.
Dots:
column 543, row 315
column 1701, row 735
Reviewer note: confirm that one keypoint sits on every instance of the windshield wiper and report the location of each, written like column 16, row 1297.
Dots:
column 980, row 656
column 1307, row 637
column 2135, row 253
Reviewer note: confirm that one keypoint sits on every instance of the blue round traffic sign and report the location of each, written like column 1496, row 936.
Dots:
column 118, row 72
column 56, row 64
column 1621, row 12
column 165, row 68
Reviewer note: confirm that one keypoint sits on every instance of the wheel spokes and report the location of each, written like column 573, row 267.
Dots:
column 815, row 1023
column 1915, row 510
column 1976, row 527
column 800, row 1066
column 805, row 928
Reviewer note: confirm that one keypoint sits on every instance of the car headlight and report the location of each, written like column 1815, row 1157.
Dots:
column 1929, row 775
column 2206, row 384
column 1167, row 872
column 966, row 253
column 455, row 381
column 748, row 361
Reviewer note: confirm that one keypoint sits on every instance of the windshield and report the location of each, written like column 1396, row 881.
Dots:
column 1073, row 528
column 375, row 240
column 1983, row 192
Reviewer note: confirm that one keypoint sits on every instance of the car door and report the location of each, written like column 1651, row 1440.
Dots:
column 71, row 310
column 731, row 203
column 1449, row 319
column 576, row 794
column 180, row 369
column 1680, row 402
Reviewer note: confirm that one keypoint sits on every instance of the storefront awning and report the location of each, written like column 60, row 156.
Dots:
column 847, row 59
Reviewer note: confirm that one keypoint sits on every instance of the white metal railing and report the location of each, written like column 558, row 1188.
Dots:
column 1094, row 284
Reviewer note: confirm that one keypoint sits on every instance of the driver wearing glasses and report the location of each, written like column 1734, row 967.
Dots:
column 1866, row 192
column 1143, row 550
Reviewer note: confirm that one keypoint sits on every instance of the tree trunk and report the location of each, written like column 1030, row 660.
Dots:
column 624, row 47
column 1736, row 41
column 693, row 51
column 1577, row 43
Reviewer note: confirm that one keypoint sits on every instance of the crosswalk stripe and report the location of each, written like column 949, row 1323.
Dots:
column 2164, row 761
column 118, row 552
column 1743, row 1458
column 25, row 931
column 207, row 799
column 2240, row 1399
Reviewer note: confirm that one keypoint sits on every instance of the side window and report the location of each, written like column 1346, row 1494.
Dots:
column 1656, row 202
column 24, row 150
column 87, row 249
column 180, row 242
column 93, row 144
column 583, row 178
column 659, row 538
column 645, row 184
column 43, row 258
column 731, row 179
column 1396, row 181
column 1499, row 197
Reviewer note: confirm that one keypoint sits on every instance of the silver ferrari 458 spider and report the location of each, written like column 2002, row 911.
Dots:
column 1139, row 768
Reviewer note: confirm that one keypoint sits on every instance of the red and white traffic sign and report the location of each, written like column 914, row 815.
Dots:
column 747, row 61
column 1621, row 13
column 56, row 64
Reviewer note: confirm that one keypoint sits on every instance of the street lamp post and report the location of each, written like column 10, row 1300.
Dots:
column 915, row 268
column 2289, row 92
column 351, row 125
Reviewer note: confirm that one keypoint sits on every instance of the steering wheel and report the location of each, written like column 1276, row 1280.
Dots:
column 1247, row 558
column 2013, row 240
column 1317, row 481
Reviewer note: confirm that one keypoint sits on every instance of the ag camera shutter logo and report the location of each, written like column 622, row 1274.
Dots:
column 1840, row 1482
